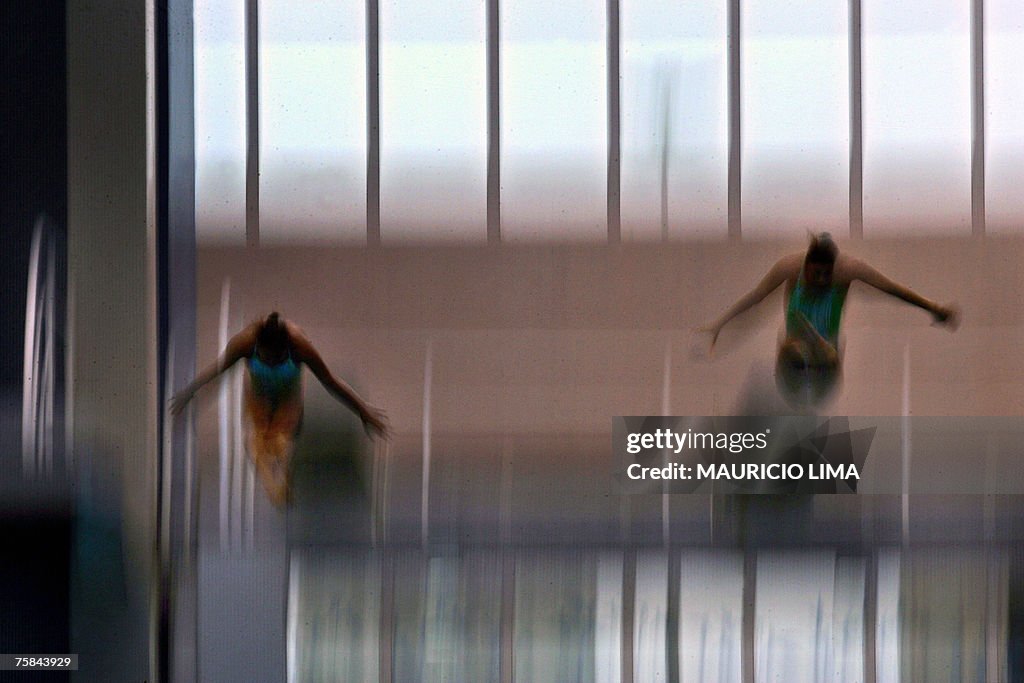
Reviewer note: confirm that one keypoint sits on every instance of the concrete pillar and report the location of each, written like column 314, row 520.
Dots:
column 112, row 326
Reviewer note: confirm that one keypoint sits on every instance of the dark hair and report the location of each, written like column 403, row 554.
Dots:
column 822, row 249
column 272, row 333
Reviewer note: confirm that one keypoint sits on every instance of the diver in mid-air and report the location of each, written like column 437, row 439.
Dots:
column 809, row 362
column 274, row 350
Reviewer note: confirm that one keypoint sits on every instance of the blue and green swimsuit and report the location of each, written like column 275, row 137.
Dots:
column 274, row 382
column 823, row 309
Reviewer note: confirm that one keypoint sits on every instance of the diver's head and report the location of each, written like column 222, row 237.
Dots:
column 820, row 260
column 272, row 339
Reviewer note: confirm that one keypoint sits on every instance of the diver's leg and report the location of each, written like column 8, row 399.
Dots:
column 822, row 353
column 266, row 447
column 793, row 370
column 281, row 433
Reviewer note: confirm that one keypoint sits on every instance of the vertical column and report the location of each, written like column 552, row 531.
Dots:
column 176, row 218
column 372, row 122
column 614, row 126
column 735, row 122
column 494, row 121
column 978, row 117
column 252, row 123
column 856, row 123
column 112, row 246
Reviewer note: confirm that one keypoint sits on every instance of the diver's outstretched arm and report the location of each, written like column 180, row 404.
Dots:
column 374, row 420
column 943, row 314
column 237, row 348
column 778, row 274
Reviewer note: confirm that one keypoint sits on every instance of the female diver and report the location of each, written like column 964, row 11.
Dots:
column 274, row 349
column 808, row 365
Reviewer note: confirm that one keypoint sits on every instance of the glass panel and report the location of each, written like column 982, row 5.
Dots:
column 793, row 615
column 675, row 126
column 711, row 616
column 1004, row 124
column 608, row 619
column 795, row 117
column 649, row 626
column 433, row 121
column 554, row 618
column 312, row 121
column 553, row 120
column 917, row 117
column 335, row 616
column 219, row 34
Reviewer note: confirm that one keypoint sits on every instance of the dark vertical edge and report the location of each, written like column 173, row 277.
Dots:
column 672, row 617
column 252, row 123
column 628, row 612
column 386, row 634
column 176, row 263
column 735, row 122
column 749, row 616
column 856, row 123
column 978, row 117
column 372, row 122
column 614, row 189
column 493, row 121
column 506, row 629
column 176, row 301
column 162, row 118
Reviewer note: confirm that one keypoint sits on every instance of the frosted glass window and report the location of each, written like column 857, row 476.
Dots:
column 711, row 616
column 650, row 614
column 433, row 121
column 794, row 616
column 675, row 128
column 219, row 38
column 554, row 616
column 553, row 120
column 1004, row 125
column 917, row 117
column 312, row 121
column 796, row 105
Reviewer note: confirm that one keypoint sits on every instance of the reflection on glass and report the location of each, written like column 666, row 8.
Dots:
column 433, row 121
column 887, row 635
column 917, row 117
column 608, row 619
column 650, row 661
column 1004, row 124
column 675, row 134
column 554, row 617
column 553, row 120
column 336, row 621
column 793, row 615
column 846, row 655
column 312, row 121
column 795, row 117
column 219, row 34
column 947, row 596
column 710, row 616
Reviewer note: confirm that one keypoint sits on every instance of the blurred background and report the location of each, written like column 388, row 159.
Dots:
column 501, row 221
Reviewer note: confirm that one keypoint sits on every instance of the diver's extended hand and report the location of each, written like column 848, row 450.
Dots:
column 714, row 329
column 180, row 400
column 947, row 316
column 375, row 422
